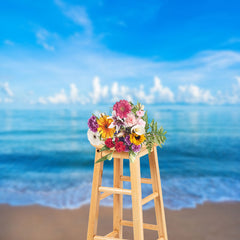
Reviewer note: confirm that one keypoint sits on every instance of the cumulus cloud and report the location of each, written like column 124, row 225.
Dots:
column 161, row 93
column 74, row 95
column 119, row 92
column 142, row 96
column 99, row 92
column 234, row 97
column 60, row 97
column 157, row 93
column 194, row 94
column 42, row 100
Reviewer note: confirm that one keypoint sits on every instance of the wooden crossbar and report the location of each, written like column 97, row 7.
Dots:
column 145, row 225
column 104, row 195
column 149, row 198
column 115, row 190
column 143, row 180
column 111, row 234
column 106, row 238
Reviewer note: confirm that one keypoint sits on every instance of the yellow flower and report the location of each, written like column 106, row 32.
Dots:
column 103, row 127
column 137, row 139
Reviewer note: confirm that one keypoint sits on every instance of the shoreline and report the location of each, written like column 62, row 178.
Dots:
column 208, row 221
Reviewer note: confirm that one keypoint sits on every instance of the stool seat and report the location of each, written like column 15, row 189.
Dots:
column 100, row 192
column 124, row 155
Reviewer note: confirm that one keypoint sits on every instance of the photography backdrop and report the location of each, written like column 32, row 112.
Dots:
column 62, row 60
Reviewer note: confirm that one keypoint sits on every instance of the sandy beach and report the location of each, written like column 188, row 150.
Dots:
column 210, row 221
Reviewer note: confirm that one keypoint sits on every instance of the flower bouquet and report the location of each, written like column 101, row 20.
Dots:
column 126, row 130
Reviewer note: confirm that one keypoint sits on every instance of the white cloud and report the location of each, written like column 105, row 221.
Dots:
column 74, row 93
column 120, row 92
column 163, row 94
column 142, row 96
column 75, row 97
column 7, row 93
column 194, row 94
column 238, row 82
column 77, row 14
column 191, row 94
column 234, row 97
column 6, row 89
column 42, row 100
column 60, row 97
column 63, row 98
column 158, row 93
column 99, row 92
column 43, row 38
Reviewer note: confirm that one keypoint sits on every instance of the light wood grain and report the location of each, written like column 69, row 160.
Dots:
column 95, row 197
column 143, row 180
column 115, row 190
column 107, row 238
column 158, row 201
column 149, row 198
column 100, row 192
column 136, row 199
column 145, row 225
column 112, row 234
column 104, row 195
column 117, row 198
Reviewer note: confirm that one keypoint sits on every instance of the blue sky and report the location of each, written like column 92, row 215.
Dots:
column 80, row 52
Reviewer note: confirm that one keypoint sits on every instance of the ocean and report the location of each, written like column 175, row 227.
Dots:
column 46, row 159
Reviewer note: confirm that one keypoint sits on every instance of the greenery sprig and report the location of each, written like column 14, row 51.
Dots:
column 153, row 134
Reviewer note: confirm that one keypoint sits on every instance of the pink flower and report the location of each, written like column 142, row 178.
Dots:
column 140, row 113
column 141, row 122
column 122, row 108
column 130, row 120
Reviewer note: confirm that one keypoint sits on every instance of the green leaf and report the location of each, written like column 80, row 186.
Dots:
column 106, row 157
column 104, row 148
column 155, row 127
column 132, row 156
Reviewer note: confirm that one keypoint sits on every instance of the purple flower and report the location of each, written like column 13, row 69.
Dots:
column 136, row 148
column 127, row 140
column 126, row 148
column 92, row 123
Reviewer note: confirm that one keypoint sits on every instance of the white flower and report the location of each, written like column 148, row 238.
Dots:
column 138, row 129
column 94, row 138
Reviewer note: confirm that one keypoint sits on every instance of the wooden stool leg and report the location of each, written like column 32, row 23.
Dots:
column 117, row 198
column 158, row 201
column 95, row 197
column 136, row 199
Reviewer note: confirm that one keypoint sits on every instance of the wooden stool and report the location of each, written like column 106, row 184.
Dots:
column 99, row 192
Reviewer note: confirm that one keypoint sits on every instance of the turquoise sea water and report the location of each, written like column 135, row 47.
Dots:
column 46, row 159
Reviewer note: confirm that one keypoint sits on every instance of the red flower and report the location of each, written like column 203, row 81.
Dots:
column 122, row 108
column 109, row 143
column 120, row 147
